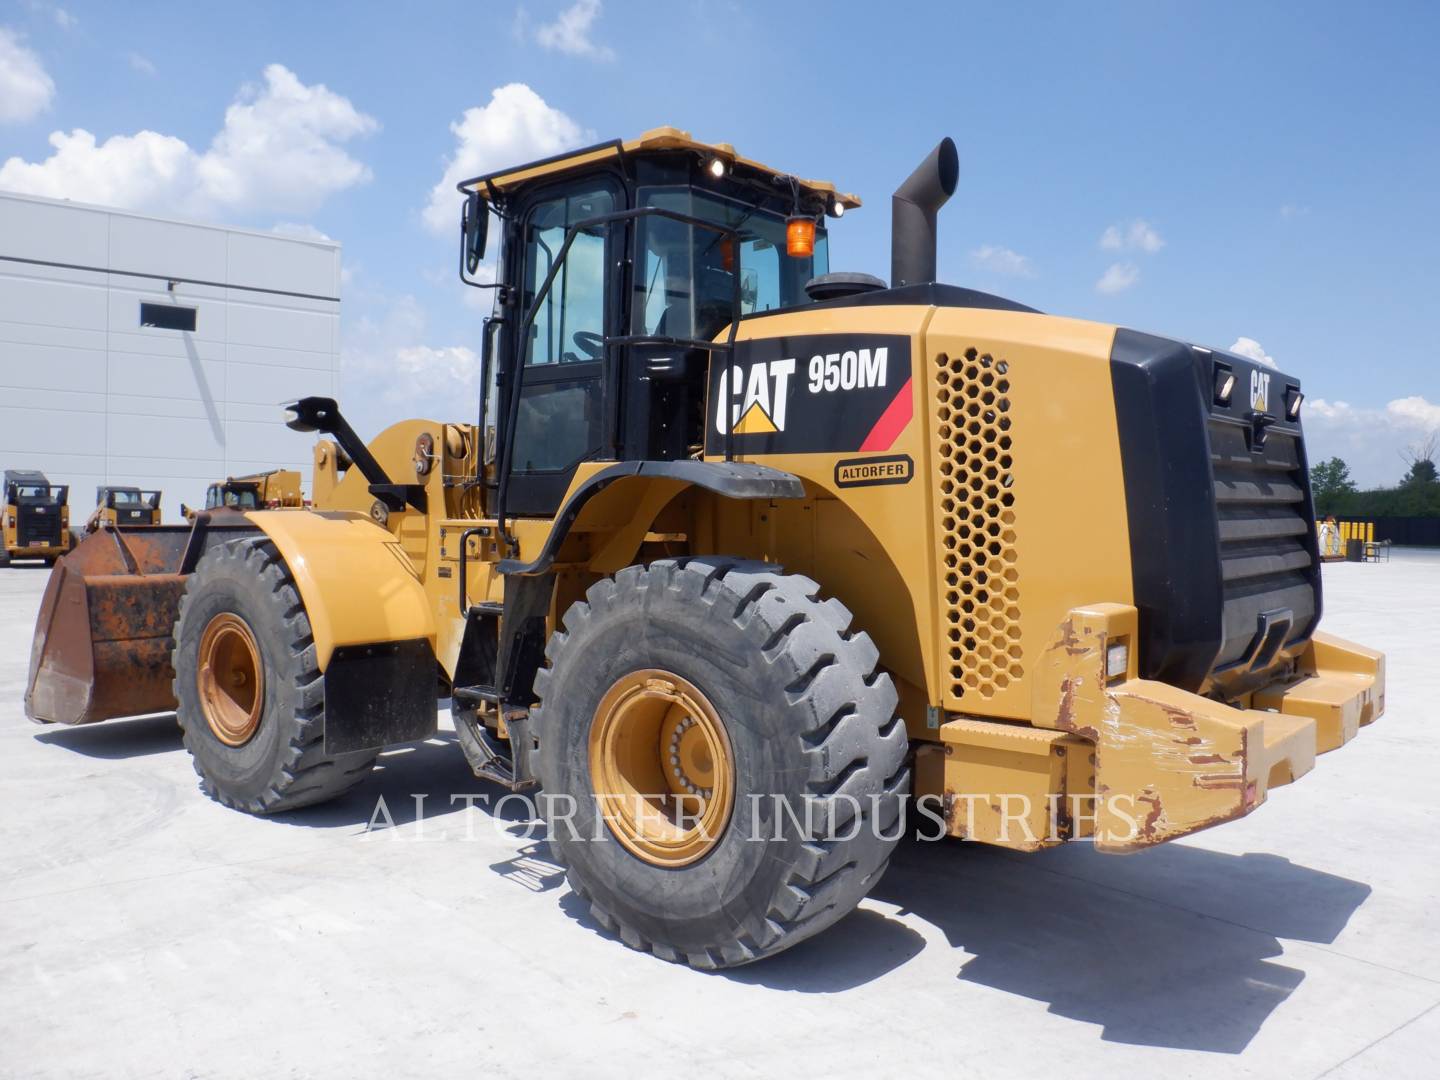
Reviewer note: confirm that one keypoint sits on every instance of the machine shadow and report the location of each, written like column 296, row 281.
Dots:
column 116, row 740
column 1174, row 947
column 426, row 782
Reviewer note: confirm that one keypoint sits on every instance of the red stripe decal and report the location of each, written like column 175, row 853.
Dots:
column 892, row 421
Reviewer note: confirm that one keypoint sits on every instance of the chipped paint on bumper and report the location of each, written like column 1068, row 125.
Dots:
column 1169, row 762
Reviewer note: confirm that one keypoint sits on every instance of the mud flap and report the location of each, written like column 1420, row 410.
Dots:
column 379, row 695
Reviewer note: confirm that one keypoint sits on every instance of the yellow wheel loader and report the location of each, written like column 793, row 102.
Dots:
column 750, row 566
column 258, row 491
column 36, row 522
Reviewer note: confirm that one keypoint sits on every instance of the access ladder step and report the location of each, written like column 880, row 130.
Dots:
column 476, row 695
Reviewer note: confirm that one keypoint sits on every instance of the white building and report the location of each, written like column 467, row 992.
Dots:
column 151, row 352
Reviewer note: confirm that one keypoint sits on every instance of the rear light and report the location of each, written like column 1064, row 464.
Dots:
column 1117, row 659
column 1293, row 400
column 1224, row 384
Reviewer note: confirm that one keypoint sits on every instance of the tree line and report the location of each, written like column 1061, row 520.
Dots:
column 1417, row 495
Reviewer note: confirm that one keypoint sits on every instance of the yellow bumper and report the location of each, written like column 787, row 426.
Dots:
column 1129, row 762
column 1168, row 762
column 38, row 551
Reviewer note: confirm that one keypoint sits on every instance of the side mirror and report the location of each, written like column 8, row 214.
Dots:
column 474, row 228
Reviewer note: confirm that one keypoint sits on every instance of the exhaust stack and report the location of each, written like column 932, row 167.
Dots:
column 912, row 215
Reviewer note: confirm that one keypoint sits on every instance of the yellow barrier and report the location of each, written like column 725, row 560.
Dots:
column 1334, row 535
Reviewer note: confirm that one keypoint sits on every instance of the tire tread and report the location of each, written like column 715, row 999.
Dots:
column 840, row 678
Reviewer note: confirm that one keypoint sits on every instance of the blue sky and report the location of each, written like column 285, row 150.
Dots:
column 1210, row 171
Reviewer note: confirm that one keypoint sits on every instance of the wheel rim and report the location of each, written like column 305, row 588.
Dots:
column 661, row 768
column 231, row 679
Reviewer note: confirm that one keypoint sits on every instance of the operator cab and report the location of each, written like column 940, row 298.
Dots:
column 232, row 495
column 623, row 269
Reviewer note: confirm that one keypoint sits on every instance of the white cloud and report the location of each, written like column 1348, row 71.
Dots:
column 1328, row 410
column 278, row 151
column 299, row 230
column 389, row 371
column 64, row 19
column 516, row 126
column 1293, row 210
column 1136, row 236
column 1001, row 260
column 1250, row 347
column 429, row 369
column 26, row 88
column 569, row 33
column 279, row 146
column 1118, row 277
column 138, row 171
column 140, row 63
column 1415, row 411
column 1370, row 440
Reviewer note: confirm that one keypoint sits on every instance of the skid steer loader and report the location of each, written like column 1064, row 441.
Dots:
column 36, row 517
column 741, row 554
column 119, row 505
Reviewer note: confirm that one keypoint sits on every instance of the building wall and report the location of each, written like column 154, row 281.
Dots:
column 90, row 396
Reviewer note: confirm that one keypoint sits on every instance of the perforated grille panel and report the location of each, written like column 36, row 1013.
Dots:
column 977, row 523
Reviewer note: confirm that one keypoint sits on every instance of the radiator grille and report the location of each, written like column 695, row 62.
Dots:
column 38, row 526
column 977, row 523
column 1264, row 532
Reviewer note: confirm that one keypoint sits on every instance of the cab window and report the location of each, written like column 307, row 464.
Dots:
column 558, row 421
column 571, row 319
column 685, row 275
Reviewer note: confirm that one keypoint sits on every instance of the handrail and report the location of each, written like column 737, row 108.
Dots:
column 512, row 404
column 478, row 530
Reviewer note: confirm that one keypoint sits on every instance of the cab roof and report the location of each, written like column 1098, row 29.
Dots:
column 654, row 140
column 26, row 476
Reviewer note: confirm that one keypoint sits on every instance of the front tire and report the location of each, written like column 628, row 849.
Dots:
column 251, row 697
column 808, row 742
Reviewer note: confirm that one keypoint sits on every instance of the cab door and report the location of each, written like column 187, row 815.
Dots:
column 563, row 415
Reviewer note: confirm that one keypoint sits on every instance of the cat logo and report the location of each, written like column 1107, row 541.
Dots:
column 1260, row 391
column 758, row 409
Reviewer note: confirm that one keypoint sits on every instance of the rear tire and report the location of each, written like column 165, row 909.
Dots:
column 807, row 719
column 243, row 626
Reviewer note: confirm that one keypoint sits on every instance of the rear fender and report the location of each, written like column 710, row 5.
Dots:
column 640, row 489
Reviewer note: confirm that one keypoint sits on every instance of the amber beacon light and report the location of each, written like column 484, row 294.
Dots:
column 800, row 237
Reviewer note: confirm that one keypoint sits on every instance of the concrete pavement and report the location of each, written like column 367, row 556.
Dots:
column 146, row 931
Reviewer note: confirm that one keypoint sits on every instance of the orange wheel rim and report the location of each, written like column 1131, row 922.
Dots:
column 661, row 768
column 231, row 679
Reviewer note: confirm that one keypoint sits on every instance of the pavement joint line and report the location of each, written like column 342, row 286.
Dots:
column 1377, row 1041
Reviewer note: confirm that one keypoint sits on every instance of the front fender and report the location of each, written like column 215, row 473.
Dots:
column 358, row 586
